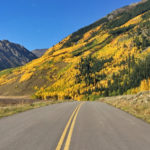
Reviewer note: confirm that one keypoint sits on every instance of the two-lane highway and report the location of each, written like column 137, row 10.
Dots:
column 74, row 126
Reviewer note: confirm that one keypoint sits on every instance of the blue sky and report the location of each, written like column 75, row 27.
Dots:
column 42, row 23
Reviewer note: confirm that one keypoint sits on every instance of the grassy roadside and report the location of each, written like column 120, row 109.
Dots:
column 14, row 109
column 137, row 105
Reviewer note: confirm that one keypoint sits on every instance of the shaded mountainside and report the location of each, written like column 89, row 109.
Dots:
column 109, row 57
column 39, row 52
column 13, row 55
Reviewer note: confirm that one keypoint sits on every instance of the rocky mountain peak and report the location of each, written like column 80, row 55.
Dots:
column 13, row 55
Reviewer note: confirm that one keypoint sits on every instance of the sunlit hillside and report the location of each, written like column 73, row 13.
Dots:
column 108, row 57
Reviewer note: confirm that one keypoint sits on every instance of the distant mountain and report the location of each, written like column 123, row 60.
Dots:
column 39, row 52
column 13, row 55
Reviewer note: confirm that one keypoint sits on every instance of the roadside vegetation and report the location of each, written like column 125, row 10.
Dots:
column 10, row 109
column 137, row 105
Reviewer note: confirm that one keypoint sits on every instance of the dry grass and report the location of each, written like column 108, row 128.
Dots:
column 137, row 105
column 14, row 109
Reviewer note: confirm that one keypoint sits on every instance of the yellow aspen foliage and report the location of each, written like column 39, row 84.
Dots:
column 145, row 85
column 26, row 76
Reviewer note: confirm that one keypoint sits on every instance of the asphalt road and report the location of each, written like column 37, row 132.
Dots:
column 74, row 126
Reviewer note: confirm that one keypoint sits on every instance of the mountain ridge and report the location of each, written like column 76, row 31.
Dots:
column 39, row 52
column 13, row 55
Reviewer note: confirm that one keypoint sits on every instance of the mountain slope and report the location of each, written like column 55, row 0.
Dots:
column 13, row 55
column 39, row 52
column 108, row 57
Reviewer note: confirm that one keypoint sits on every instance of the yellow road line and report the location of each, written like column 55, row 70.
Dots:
column 68, row 141
column 65, row 130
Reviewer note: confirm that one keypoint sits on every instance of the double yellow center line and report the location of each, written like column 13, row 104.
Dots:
column 73, row 120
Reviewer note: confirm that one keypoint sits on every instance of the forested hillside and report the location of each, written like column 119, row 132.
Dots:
column 108, row 57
